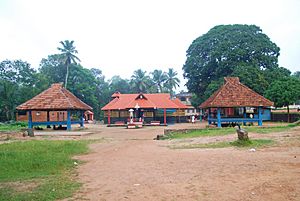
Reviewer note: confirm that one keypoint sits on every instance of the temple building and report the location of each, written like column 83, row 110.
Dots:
column 146, row 108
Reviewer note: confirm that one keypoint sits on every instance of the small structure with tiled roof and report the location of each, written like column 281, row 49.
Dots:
column 57, row 106
column 234, row 95
column 89, row 116
column 144, row 107
column 185, row 98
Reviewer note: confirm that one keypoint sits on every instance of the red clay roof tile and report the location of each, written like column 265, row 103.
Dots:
column 126, row 101
column 234, row 94
column 54, row 98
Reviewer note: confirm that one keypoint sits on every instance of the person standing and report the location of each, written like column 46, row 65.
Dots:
column 193, row 119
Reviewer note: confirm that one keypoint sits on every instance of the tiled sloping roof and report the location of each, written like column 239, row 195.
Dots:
column 234, row 94
column 126, row 101
column 54, row 98
column 180, row 104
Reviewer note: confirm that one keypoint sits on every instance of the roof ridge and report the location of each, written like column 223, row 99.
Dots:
column 220, row 89
column 60, row 90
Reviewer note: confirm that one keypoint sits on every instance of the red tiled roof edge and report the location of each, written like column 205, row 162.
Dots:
column 180, row 104
column 152, row 100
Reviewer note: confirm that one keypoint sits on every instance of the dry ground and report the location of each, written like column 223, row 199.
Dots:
column 130, row 165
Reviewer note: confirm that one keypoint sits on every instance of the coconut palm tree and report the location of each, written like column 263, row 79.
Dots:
column 140, row 81
column 172, row 80
column 68, row 52
column 159, row 78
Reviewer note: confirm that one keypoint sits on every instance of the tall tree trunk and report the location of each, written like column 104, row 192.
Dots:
column 7, row 113
column 67, row 75
column 288, row 111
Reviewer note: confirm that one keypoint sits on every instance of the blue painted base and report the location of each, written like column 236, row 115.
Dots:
column 49, row 123
column 233, row 120
column 228, row 120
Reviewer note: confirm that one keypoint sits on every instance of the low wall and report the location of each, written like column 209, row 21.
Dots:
column 283, row 117
column 169, row 131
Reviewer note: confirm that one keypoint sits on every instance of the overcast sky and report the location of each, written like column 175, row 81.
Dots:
column 120, row 36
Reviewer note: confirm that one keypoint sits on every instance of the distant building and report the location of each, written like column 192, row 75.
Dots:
column 185, row 98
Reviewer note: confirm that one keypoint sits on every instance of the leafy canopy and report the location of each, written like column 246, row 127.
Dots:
column 284, row 92
column 230, row 50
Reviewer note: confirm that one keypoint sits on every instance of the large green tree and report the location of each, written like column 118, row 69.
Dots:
column 68, row 51
column 53, row 68
column 116, row 83
column 284, row 92
column 18, row 83
column 297, row 74
column 230, row 50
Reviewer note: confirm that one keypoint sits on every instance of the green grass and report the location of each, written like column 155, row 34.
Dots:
column 272, row 129
column 225, row 131
column 256, row 143
column 200, row 133
column 16, row 126
column 46, row 163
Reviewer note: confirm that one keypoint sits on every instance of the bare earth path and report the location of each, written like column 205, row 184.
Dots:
column 129, row 165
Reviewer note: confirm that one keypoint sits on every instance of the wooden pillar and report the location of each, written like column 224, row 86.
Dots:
column 260, row 115
column 68, row 120
column 200, row 114
column 48, row 119
column 165, row 116
column 29, row 119
column 82, row 119
column 245, row 116
column 208, row 117
column 219, row 117
column 108, row 117
column 48, row 116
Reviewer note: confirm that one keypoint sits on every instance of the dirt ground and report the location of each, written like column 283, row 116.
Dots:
column 130, row 165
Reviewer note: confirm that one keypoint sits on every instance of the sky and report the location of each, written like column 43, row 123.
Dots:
column 120, row 36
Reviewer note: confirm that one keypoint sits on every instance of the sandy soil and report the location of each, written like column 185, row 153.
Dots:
column 130, row 165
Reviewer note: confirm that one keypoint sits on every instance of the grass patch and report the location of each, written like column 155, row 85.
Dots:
column 255, row 143
column 200, row 133
column 15, row 126
column 228, row 130
column 272, row 129
column 47, row 163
